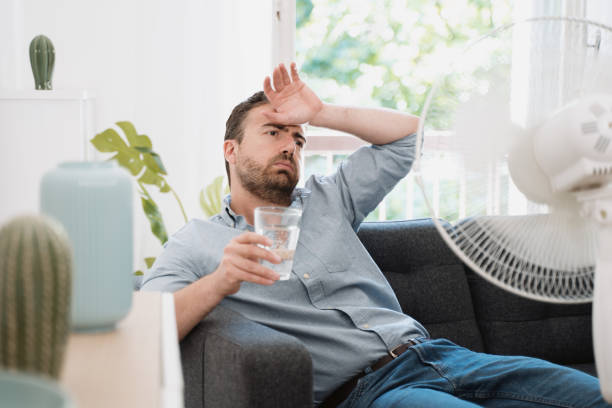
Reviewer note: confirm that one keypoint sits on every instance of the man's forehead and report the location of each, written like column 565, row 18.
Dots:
column 257, row 118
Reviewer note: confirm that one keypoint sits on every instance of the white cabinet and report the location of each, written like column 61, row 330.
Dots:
column 38, row 130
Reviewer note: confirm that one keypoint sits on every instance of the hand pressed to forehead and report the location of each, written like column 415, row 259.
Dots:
column 281, row 77
column 294, row 103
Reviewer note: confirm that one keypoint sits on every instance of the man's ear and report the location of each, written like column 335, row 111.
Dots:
column 229, row 150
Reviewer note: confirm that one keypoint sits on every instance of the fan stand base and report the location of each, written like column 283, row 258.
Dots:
column 597, row 205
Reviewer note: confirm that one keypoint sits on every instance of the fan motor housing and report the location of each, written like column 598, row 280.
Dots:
column 574, row 146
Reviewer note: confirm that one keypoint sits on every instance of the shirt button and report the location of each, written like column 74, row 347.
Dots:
column 365, row 326
column 306, row 276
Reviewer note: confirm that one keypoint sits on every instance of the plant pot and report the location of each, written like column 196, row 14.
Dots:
column 29, row 391
column 93, row 201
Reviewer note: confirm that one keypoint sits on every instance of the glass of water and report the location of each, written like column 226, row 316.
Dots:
column 281, row 225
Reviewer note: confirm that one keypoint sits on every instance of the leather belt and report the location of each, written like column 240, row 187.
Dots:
column 345, row 389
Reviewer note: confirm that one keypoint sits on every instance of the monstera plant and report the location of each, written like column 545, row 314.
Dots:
column 135, row 153
column 211, row 196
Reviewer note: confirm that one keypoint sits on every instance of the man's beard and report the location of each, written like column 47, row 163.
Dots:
column 266, row 182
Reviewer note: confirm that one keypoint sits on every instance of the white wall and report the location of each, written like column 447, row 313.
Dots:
column 600, row 10
column 175, row 68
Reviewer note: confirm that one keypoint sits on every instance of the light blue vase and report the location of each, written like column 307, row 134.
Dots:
column 30, row 391
column 93, row 200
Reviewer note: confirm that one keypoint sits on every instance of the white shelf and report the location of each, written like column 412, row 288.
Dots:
column 39, row 130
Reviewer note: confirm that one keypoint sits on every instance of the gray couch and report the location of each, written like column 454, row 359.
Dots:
column 229, row 361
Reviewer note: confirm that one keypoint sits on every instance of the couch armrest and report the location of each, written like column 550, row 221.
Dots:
column 230, row 361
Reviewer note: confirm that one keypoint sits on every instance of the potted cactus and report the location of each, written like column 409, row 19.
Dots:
column 36, row 282
column 42, row 59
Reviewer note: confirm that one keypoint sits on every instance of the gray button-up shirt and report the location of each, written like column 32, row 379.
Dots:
column 337, row 302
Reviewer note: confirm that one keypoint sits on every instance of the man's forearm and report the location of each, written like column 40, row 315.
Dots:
column 194, row 302
column 374, row 125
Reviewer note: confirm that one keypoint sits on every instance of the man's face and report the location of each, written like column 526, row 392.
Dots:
column 269, row 158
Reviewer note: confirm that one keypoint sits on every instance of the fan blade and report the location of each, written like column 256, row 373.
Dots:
column 484, row 131
column 515, row 257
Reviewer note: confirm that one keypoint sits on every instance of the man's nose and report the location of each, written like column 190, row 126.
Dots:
column 289, row 145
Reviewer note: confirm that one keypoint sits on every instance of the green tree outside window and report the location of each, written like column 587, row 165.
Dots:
column 389, row 53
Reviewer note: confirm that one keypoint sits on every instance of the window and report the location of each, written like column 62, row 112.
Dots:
column 388, row 53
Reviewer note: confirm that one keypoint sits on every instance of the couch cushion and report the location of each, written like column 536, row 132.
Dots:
column 428, row 279
column 514, row 325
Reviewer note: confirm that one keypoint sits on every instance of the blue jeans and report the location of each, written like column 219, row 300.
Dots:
column 438, row 373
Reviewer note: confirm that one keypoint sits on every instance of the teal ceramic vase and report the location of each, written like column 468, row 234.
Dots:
column 93, row 201
column 30, row 391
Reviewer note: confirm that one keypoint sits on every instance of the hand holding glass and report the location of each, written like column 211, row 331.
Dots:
column 281, row 225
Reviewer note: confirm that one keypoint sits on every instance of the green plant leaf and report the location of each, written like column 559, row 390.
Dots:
column 138, row 273
column 149, row 261
column 211, row 197
column 129, row 130
column 109, row 141
column 218, row 182
column 165, row 188
column 155, row 219
column 144, row 141
column 154, row 163
column 150, row 177
column 133, row 138
column 130, row 160
column 207, row 210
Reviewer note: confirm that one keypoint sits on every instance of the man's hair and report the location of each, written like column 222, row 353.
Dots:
column 234, row 128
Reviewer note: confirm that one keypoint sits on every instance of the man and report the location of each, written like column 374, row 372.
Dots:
column 337, row 301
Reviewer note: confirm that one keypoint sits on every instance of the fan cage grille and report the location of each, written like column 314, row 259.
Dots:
column 483, row 250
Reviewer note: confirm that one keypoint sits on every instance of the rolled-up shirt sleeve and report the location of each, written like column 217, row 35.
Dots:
column 187, row 256
column 370, row 173
column 172, row 269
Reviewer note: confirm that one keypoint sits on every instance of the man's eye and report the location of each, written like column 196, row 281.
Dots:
column 299, row 143
column 273, row 132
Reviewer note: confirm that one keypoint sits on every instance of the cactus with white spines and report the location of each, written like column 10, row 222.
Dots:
column 42, row 59
column 35, row 292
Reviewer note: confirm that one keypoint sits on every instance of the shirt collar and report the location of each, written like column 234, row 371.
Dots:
column 231, row 219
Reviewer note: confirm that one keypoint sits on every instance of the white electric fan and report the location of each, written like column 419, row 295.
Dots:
column 523, row 172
